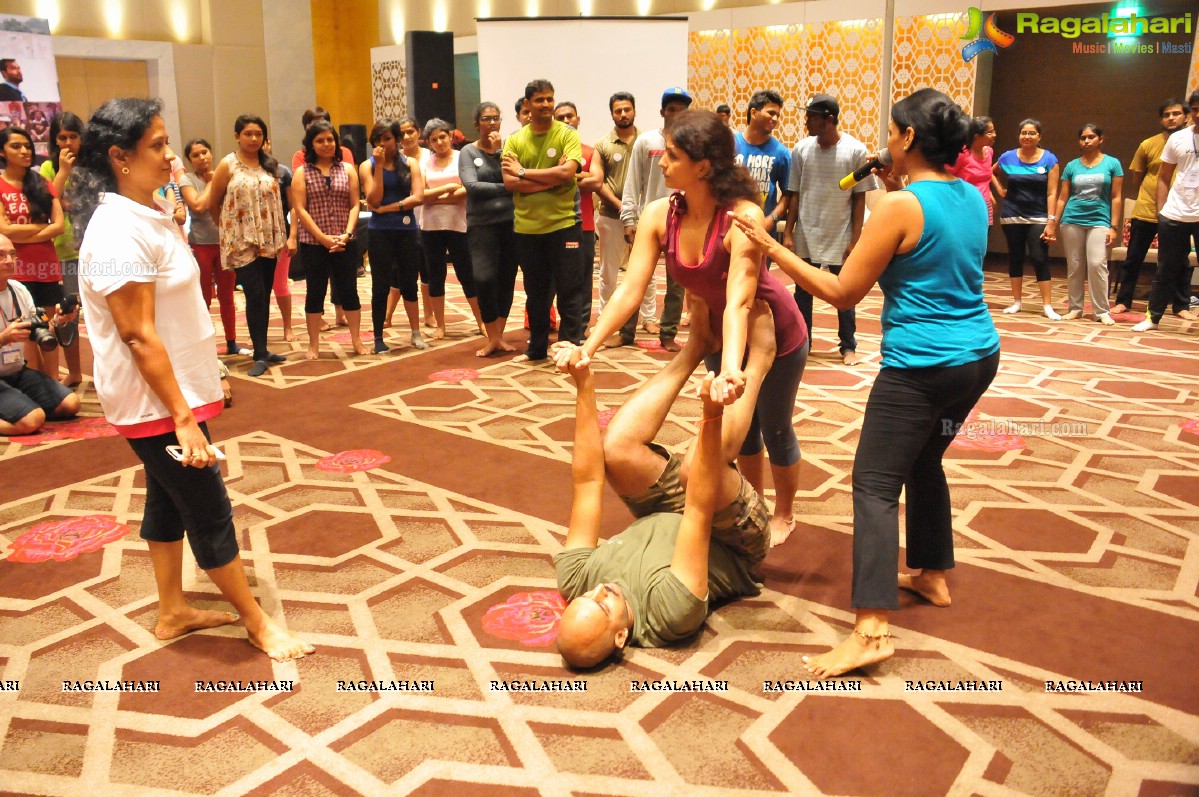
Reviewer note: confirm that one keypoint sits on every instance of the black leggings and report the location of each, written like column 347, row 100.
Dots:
column 1022, row 237
column 256, row 279
column 181, row 498
column 396, row 260
column 911, row 417
column 340, row 268
column 493, row 257
column 436, row 243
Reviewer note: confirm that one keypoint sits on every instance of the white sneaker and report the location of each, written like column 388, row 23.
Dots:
column 1013, row 309
column 1106, row 319
column 1144, row 326
column 1051, row 314
column 1072, row 315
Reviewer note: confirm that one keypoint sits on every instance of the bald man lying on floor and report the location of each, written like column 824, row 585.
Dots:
column 701, row 529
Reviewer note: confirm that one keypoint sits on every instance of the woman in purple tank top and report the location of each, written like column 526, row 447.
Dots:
column 717, row 263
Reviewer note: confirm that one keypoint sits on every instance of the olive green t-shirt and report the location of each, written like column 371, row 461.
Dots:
column 545, row 211
column 638, row 561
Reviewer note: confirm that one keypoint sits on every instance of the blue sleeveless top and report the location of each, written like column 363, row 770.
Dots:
column 397, row 185
column 933, row 309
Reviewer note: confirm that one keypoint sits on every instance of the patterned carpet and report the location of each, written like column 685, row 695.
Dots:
column 401, row 512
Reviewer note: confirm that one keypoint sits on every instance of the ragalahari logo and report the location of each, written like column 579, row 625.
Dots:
column 983, row 36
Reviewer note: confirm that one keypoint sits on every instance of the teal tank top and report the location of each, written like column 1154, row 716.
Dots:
column 933, row 309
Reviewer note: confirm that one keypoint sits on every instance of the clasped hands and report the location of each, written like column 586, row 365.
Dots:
column 723, row 388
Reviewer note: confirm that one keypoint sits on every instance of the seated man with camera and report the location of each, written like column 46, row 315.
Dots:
column 27, row 396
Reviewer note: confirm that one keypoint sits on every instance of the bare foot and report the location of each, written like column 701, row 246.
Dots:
column 289, row 336
column 780, row 530
column 670, row 344
column 850, row 358
column 277, row 643
column 312, row 354
column 326, row 327
column 616, row 340
column 927, row 584
column 341, row 321
column 72, row 380
column 437, row 334
column 854, row 652
column 1119, row 308
column 430, row 321
column 387, row 324
column 493, row 347
column 524, row 358
column 359, row 349
column 191, row 620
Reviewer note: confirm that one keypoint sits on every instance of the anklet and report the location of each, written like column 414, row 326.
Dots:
column 873, row 637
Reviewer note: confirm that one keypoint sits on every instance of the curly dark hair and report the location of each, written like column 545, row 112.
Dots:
column 33, row 185
column 702, row 136
column 120, row 123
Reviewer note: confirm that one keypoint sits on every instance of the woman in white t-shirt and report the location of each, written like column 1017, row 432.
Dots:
column 443, row 223
column 157, row 381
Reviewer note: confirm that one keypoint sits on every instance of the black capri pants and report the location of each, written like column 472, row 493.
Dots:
column 494, row 261
column 1022, row 238
column 396, row 261
column 340, row 268
column 436, row 244
column 180, row 498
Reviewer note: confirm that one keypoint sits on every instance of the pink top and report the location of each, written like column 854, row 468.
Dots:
column 978, row 174
column 708, row 279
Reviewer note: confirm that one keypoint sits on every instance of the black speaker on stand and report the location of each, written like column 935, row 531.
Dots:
column 353, row 138
column 430, row 57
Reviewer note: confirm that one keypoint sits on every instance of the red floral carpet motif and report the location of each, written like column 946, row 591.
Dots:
column 78, row 429
column 976, row 435
column 454, row 375
column 605, row 417
column 353, row 461
column 1191, row 426
column 65, row 539
column 530, row 618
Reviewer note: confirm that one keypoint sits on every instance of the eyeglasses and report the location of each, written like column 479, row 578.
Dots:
column 491, row 119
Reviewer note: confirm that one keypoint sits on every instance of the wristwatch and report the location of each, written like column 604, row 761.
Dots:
column 521, row 173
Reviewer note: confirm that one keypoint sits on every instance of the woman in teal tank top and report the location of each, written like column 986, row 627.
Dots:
column 924, row 246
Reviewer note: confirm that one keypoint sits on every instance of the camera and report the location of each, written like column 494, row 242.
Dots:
column 39, row 323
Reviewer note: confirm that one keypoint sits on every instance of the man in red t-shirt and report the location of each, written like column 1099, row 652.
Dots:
column 588, row 183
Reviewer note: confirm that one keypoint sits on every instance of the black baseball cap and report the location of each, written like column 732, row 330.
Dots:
column 823, row 104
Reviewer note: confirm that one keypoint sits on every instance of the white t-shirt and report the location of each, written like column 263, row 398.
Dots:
column 1182, row 150
column 12, row 357
column 442, row 217
column 825, row 224
column 128, row 242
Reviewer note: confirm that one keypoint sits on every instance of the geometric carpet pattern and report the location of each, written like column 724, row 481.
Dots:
column 401, row 513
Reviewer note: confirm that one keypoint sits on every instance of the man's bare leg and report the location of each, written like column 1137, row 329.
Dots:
column 739, row 415
column 869, row 644
column 928, row 584
column 632, row 467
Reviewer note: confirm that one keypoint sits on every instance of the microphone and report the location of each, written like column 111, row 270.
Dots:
column 880, row 160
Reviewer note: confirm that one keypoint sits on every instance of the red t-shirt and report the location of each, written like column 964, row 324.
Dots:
column 587, row 198
column 35, row 262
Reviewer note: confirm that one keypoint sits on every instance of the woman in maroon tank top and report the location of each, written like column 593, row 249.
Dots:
column 717, row 263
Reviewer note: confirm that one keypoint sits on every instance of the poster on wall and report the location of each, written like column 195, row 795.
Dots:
column 28, row 78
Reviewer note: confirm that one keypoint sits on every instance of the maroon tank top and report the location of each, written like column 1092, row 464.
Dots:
column 708, row 279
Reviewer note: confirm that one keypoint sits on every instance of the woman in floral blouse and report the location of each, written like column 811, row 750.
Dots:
column 253, row 229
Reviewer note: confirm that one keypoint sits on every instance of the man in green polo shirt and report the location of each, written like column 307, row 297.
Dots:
column 701, row 529
column 540, row 162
